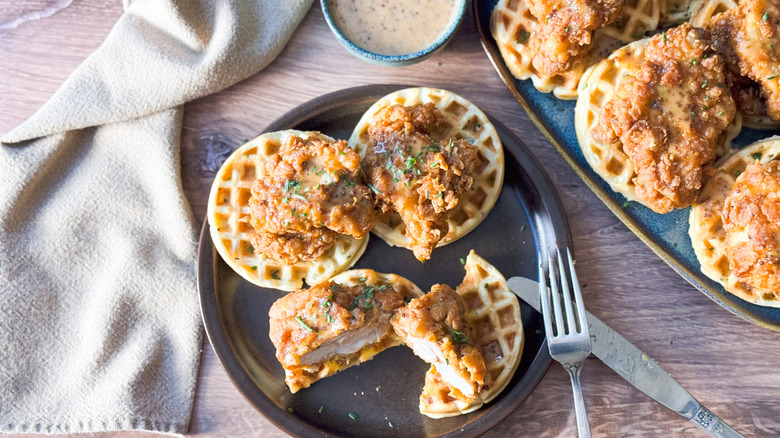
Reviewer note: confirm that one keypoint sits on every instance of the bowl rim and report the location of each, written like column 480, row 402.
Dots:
column 446, row 34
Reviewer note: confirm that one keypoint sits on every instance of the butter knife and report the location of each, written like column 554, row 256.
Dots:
column 636, row 367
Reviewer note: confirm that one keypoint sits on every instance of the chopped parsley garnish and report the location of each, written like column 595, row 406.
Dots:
column 410, row 162
column 756, row 156
column 720, row 113
column 319, row 411
column 693, row 113
column 352, row 416
column 694, row 62
column 374, row 189
column 251, row 249
column 297, row 196
column 291, row 184
column 524, row 34
column 704, row 85
column 303, row 324
column 275, row 275
column 771, row 77
column 457, row 337
column 663, row 36
column 566, row 29
column 765, row 18
column 463, row 261
column 432, row 149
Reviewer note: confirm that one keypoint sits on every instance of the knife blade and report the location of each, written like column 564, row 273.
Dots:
column 636, row 367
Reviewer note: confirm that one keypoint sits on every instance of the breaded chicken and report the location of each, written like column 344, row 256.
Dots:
column 433, row 326
column 415, row 176
column 565, row 30
column 751, row 218
column 326, row 328
column 668, row 117
column 305, row 196
column 748, row 36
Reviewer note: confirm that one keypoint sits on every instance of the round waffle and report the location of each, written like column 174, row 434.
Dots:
column 512, row 25
column 708, row 236
column 494, row 315
column 597, row 87
column 704, row 10
column 702, row 17
column 674, row 12
column 228, row 214
column 464, row 120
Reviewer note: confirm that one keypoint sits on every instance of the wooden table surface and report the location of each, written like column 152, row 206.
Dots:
column 730, row 365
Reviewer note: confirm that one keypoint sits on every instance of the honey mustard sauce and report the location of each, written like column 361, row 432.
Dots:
column 392, row 27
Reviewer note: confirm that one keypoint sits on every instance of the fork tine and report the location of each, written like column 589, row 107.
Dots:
column 583, row 322
column 560, row 329
column 572, row 325
column 545, row 300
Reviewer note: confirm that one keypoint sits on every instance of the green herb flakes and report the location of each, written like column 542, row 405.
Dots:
column 303, row 324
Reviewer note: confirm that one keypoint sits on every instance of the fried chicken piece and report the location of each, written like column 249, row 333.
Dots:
column 751, row 218
column 305, row 196
column 748, row 36
column 565, row 30
column 326, row 328
column 669, row 116
column 413, row 175
column 433, row 326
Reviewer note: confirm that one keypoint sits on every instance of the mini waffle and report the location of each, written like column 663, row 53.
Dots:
column 228, row 213
column 494, row 315
column 707, row 9
column 304, row 376
column 512, row 25
column 708, row 236
column 597, row 87
column 464, row 121
column 674, row 12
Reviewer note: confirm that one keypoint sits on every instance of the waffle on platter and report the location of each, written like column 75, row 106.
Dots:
column 708, row 236
column 512, row 25
column 228, row 213
column 494, row 315
column 707, row 9
column 598, row 86
column 464, row 120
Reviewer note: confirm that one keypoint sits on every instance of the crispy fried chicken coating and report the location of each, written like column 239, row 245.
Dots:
column 305, row 196
column 668, row 117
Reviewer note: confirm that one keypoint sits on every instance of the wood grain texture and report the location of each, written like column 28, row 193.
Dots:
column 730, row 365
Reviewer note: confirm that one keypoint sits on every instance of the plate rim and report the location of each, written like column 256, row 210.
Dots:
column 210, row 305
column 719, row 297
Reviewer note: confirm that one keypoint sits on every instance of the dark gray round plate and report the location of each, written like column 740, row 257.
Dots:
column 526, row 219
column 665, row 234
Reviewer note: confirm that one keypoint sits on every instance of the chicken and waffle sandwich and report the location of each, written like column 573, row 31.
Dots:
column 435, row 164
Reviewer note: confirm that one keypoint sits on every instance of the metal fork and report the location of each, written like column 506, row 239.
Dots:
column 570, row 343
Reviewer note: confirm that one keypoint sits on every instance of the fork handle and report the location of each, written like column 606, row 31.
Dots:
column 579, row 403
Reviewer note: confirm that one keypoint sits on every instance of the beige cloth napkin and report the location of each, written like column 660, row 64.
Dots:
column 99, row 317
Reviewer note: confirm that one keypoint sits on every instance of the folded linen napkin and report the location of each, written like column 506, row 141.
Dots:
column 99, row 318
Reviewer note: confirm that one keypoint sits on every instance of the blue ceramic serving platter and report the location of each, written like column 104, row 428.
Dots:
column 666, row 235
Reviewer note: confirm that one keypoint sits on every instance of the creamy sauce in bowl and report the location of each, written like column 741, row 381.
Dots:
column 392, row 27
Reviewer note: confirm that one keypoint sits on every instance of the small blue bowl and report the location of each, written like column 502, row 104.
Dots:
column 398, row 60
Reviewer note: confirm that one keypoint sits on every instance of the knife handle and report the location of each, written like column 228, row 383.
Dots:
column 714, row 425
